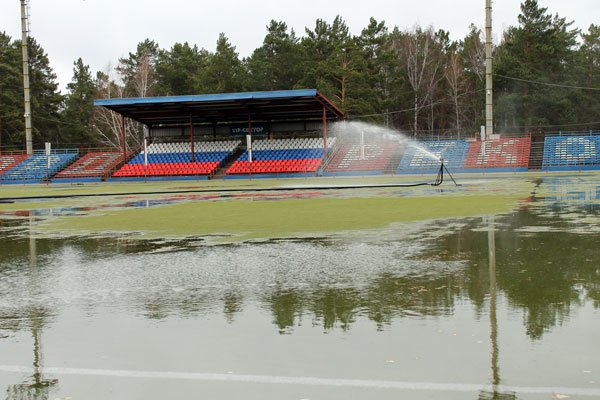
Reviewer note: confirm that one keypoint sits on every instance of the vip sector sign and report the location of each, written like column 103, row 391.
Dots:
column 242, row 130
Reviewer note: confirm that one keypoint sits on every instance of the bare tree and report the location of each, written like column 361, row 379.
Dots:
column 455, row 77
column 424, row 61
column 144, row 78
column 472, row 51
column 108, row 124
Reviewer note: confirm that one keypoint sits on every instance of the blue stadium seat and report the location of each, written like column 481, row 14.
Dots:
column 36, row 166
column 424, row 156
column 571, row 152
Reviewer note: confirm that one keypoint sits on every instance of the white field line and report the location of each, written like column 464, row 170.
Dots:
column 312, row 381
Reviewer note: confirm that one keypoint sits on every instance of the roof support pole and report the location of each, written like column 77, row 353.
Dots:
column 192, row 137
column 249, row 136
column 324, row 133
column 249, row 124
column 124, row 144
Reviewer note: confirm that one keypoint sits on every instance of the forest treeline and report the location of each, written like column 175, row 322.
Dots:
column 546, row 77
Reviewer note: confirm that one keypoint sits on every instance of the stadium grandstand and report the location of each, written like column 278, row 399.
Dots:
column 228, row 135
column 283, row 134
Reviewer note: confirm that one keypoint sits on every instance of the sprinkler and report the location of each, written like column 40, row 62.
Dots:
column 440, row 176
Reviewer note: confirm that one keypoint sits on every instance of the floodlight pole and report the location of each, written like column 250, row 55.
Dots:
column 26, row 89
column 489, row 109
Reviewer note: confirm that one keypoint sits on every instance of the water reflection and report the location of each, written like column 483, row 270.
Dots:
column 37, row 386
column 546, row 275
column 495, row 394
column 150, row 200
column 497, row 264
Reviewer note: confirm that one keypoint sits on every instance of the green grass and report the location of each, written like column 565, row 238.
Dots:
column 248, row 219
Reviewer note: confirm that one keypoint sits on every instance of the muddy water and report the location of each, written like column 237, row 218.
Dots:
column 493, row 307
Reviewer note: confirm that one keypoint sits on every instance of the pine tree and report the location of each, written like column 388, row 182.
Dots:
column 180, row 70
column 46, row 99
column 541, row 49
column 276, row 64
column 334, row 64
column 377, row 84
column 77, row 114
column 11, row 94
column 588, row 65
column 224, row 71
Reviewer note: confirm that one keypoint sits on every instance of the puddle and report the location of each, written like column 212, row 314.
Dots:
column 507, row 300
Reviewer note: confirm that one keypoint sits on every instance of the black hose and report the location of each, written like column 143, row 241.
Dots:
column 437, row 182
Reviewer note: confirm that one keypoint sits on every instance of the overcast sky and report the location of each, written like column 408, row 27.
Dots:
column 101, row 31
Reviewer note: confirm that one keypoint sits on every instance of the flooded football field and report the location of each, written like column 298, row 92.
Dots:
column 499, row 305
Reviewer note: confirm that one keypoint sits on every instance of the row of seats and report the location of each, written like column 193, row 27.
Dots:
column 93, row 164
column 297, row 143
column 562, row 151
column 499, row 153
column 166, row 169
column 36, row 166
column 185, row 147
column 287, row 154
column 180, row 157
column 275, row 166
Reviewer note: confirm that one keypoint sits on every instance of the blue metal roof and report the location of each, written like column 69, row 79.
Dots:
column 303, row 104
column 216, row 97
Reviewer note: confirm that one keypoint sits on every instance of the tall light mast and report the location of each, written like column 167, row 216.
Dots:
column 489, row 110
column 24, row 31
